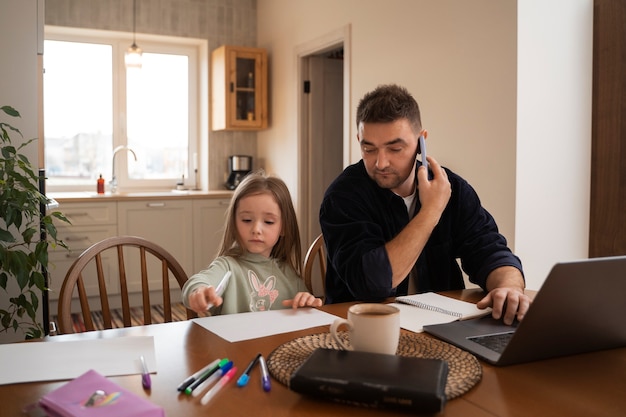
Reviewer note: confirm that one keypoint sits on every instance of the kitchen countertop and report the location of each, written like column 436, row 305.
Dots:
column 91, row 196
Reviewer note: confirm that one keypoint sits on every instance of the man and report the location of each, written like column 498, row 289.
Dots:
column 392, row 228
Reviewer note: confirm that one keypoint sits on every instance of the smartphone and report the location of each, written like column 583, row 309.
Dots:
column 422, row 143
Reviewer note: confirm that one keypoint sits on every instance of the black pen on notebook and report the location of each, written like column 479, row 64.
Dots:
column 145, row 375
column 219, row 290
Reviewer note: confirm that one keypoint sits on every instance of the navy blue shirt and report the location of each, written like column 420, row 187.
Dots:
column 358, row 218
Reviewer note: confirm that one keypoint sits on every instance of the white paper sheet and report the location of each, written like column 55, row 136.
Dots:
column 244, row 326
column 48, row 361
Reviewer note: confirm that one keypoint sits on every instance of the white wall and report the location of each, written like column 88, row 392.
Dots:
column 19, row 88
column 460, row 59
column 553, row 133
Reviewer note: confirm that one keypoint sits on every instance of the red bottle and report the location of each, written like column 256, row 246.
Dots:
column 100, row 185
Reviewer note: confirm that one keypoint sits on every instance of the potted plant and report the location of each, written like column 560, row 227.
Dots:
column 24, row 235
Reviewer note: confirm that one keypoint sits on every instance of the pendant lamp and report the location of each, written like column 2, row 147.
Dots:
column 133, row 54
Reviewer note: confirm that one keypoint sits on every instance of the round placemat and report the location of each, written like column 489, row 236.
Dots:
column 464, row 370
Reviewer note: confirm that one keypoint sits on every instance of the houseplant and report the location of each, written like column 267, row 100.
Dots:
column 24, row 234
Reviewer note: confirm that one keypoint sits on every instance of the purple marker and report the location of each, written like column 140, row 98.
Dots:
column 265, row 375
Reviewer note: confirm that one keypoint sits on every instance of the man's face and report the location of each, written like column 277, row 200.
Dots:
column 388, row 151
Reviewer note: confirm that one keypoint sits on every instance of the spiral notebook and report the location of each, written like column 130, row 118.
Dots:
column 419, row 310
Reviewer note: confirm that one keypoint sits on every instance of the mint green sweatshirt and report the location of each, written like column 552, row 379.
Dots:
column 257, row 283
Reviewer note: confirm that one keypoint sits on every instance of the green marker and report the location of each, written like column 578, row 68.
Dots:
column 205, row 375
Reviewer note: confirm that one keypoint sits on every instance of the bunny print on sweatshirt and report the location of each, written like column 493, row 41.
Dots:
column 262, row 295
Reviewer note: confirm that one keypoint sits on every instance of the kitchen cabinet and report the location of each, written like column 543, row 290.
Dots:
column 209, row 220
column 167, row 223
column 239, row 88
column 90, row 223
column 189, row 228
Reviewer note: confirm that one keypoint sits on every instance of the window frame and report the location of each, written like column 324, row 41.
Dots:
column 197, row 52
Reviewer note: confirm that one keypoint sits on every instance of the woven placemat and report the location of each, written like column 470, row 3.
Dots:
column 464, row 369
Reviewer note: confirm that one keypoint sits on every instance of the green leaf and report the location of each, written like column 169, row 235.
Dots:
column 39, row 281
column 28, row 234
column 6, row 236
column 10, row 111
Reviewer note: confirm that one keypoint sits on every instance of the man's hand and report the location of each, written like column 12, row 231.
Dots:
column 506, row 295
column 510, row 303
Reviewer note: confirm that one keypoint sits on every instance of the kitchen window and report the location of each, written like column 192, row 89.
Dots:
column 93, row 104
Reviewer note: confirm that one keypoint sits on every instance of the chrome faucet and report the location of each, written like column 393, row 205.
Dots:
column 113, row 181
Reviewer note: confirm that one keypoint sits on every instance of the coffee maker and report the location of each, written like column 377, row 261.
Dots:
column 238, row 167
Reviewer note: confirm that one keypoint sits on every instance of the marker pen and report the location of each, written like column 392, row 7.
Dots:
column 210, row 380
column 265, row 375
column 204, row 376
column 243, row 379
column 219, row 290
column 190, row 380
column 223, row 381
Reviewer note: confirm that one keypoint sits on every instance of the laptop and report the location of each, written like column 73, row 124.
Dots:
column 581, row 307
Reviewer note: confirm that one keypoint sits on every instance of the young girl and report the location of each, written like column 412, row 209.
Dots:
column 261, row 249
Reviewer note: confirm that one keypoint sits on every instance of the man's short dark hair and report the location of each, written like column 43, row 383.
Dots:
column 388, row 103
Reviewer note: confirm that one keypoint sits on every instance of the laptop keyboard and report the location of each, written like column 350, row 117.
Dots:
column 496, row 342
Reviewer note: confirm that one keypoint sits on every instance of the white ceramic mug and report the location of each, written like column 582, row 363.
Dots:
column 372, row 328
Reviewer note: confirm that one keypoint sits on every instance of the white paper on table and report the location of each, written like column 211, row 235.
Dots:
column 59, row 360
column 244, row 326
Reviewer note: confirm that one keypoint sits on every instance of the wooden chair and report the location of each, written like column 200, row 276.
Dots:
column 92, row 257
column 316, row 250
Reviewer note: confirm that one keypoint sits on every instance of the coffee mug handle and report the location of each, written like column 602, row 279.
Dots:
column 333, row 332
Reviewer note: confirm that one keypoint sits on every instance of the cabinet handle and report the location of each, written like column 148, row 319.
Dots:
column 155, row 204
column 77, row 214
column 224, row 203
column 232, row 87
column 76, row 238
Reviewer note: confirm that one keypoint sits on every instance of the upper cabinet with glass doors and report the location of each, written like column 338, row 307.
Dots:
column 238, row 88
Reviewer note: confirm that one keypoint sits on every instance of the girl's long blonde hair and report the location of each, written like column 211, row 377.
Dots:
column 288, row 248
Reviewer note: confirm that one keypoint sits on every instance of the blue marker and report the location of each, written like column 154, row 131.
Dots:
column 245, row 377
column 205, row 376
column 224, row 368
column 265, row 375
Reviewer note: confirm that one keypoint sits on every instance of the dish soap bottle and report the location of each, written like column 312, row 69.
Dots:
column 100, row 185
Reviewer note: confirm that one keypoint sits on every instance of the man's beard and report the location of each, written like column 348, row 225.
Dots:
column 388, row 181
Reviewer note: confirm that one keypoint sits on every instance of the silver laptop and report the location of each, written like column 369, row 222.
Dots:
column 580, row 308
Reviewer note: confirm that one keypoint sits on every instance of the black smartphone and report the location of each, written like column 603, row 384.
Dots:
column 422, row 144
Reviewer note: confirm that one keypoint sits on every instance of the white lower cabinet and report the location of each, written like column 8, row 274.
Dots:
column 90, row 223
column 190, row 229
column 209, row 221
column 168, row 223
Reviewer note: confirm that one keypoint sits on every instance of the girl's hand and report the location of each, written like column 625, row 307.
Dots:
column 200, row 298
column 303, row 299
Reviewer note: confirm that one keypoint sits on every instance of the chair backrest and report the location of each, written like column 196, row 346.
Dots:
column 92, row 258
column 316, row 250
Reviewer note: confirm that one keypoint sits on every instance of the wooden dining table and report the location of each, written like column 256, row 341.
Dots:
column 592, row 384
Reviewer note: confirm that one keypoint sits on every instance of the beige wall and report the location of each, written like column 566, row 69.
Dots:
column 460, row 60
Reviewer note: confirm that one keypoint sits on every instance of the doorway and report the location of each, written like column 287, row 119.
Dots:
column 323, row 123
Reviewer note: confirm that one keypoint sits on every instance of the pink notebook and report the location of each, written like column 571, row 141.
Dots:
column 93, row 395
